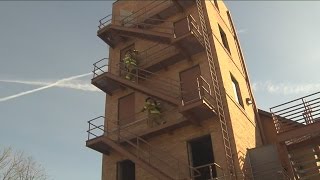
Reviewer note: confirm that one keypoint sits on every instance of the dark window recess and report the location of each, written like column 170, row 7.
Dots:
column 201, row 155
column 189, row 86
column 224, row 39
column 216, row 4
column 126, row 109
column 126, row 170
column 230, row 21
column 236, row 91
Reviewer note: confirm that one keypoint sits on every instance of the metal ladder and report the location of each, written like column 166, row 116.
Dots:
column 216, row 89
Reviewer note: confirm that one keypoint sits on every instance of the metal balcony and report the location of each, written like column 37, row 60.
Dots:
column 298, row 118
column 198, row 103
column 187, row 36
column 114, row 28
column 184, row 34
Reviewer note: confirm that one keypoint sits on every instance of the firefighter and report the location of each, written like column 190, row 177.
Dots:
column 130, row 63
column 154, row 113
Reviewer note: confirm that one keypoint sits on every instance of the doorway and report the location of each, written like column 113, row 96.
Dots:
column 126, row 170
column 123, row 52
column 201, row 155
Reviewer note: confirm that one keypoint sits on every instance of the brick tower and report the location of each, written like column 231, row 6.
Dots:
column 183, row 57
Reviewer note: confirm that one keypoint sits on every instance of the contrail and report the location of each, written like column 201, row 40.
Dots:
column 62, row 81
column 72, row 84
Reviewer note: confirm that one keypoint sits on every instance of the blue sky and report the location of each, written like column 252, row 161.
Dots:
column 42, row 42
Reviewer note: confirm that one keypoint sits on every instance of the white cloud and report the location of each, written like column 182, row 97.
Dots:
column 286, row 88
column 70, row 82
column 242, row 31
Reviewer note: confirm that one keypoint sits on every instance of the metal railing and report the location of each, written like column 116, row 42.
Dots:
column 154, row 81
column 195, row 29
column 105, row 21
column 297, row 113
column 100, row 67
column 203, row 92
column 138, row 17
column 143, row 149
column 96, row 129
column 212, row 171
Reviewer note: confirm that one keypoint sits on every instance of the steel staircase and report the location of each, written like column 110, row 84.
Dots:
column 216, row 90
column 157, row 162
column 163, row 88
column 306, row 162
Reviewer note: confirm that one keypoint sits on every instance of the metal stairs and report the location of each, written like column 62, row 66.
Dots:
column 155, row 161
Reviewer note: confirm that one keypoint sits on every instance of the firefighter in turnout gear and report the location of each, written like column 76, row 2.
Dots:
column 130, row 63
column 154, row 113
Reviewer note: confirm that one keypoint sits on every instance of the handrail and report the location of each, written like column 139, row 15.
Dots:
column 210, row 166
column 202, row 91
column 142, row 70
column 150, row 151
column 89, row 131
column 145, row 117
column 98, row 68
column 104, row 21
column 295, row 100
column 195, row 29
column 205, row 81
column 163, row 83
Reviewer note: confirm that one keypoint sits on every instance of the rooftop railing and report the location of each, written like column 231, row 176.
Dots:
column 297, row 113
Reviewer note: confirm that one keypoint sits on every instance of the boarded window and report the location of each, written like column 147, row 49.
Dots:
column 181, row 27
column 126, row 109
column 189, row 86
